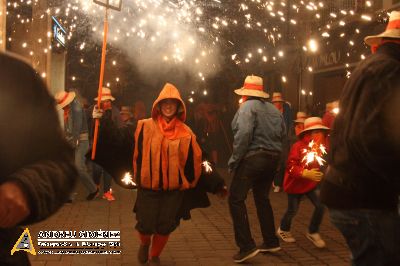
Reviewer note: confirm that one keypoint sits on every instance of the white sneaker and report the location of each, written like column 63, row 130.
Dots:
column 277, row 189
column 285, row 236
column 316, row 240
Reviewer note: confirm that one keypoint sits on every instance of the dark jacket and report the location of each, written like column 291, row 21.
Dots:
column 33, row 152
column 115, row 154
column 365, row 140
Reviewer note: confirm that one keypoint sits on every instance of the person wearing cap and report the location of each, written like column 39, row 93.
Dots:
column 98, row 171
column 76, row 132
column 362, row 185
column 259, row 131
column 299, row 122
column 301, row 180
column 37, row 166
column 285, row 110
column 167, row 168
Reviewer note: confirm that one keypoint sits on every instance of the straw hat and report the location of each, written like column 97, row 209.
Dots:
column 392, row 30
column 126, row 110
column 105, row 95
column 253, row 86
column 64, row 98
column 313, row 123
column 300, row 117
column 277, row 97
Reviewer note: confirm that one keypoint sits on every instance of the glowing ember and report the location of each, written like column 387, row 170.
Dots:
column 207, row 166
column 335, row 110
column 314, row 153
column 127, row 179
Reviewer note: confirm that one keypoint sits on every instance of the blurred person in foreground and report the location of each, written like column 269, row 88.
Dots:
column 36, row 162
column 362, row 185
column 259, row 131
column 168, row 168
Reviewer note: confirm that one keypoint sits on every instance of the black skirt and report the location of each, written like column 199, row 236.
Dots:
column 157, row 211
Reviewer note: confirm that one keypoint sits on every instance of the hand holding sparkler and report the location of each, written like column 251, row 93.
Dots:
column 314, row 174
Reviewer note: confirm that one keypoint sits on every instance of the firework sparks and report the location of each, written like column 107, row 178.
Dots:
column 314, row 153
column 207, row 166
column 127, row 179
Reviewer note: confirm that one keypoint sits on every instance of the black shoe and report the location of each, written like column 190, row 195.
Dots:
column 243, row 256
column 91, row 196
column 143, row 253
column 267, row 249
column 154, row 261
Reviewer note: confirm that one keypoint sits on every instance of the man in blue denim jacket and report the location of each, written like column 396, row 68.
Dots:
column 76, row 132
column 259, row 130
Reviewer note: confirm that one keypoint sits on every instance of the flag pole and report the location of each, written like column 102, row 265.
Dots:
column 99, row 93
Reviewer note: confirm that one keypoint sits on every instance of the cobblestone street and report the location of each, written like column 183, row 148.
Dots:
column 207, row 239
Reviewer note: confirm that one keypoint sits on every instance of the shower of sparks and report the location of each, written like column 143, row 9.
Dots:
column 207, row 166
column 314, row 153
column 127, row 179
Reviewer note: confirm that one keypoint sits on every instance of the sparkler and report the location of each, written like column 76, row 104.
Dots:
column 127, row 179
column 314, row 153
column 207, row 166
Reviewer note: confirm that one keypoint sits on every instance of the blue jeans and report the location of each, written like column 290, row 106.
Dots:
column 373, row 236
column 256, row 172
column 98, row 171
column 293, row 207
column 80, row 163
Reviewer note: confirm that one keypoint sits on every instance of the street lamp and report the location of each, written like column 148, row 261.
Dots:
column 108, row 4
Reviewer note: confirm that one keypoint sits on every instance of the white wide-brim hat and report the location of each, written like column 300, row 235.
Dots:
column 392, row 30
column 313, row 123
column 105, row 95
column 64, row 98
column 277, row 97
column 300, row 117
column 253, row 86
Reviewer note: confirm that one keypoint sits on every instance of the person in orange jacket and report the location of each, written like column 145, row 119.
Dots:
column 301, row 179
column 168, row 169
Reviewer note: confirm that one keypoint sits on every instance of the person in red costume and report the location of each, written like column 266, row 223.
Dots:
column 302, row 179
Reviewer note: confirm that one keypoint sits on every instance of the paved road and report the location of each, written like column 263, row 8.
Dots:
column 207, row 239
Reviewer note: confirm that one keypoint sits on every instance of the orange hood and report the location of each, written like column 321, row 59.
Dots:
column 169, row 92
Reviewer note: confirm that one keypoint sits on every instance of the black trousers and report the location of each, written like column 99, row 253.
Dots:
column 156, row 211
column 256, row 172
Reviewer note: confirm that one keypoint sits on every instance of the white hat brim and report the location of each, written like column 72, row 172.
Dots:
column 68, row 100
column 246, row 92
column 377, row 39
column 104, row 98
column 313, row 128
column 299, row 120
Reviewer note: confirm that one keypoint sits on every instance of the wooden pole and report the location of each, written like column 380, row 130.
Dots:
column 99, row 93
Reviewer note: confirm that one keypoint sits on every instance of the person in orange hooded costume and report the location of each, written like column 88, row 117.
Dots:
column 167, row 169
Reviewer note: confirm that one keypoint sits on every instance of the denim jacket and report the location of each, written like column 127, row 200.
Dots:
column 256, row 125
column 76, row 123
